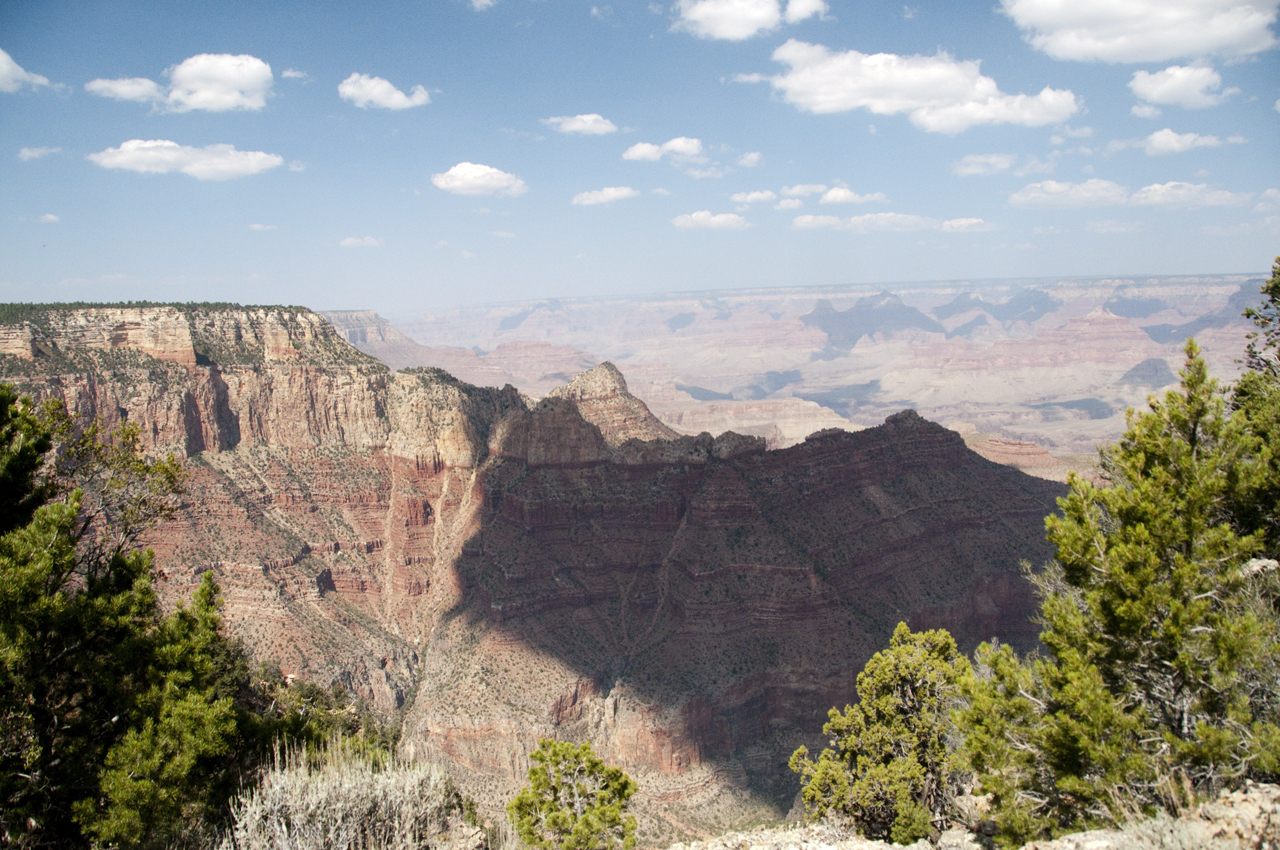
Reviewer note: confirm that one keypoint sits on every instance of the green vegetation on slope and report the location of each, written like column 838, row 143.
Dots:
column 1160, row 676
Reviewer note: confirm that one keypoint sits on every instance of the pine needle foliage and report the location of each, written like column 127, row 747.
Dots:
column 1155, row 624
column 573, row 801
column 890, row 768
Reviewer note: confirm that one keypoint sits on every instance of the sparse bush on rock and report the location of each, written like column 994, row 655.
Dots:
column 340, row 799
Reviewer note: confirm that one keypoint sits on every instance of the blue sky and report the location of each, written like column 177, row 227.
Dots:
column 409, row 156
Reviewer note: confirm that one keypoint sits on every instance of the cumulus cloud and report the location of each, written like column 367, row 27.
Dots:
column 214, row 82
column 983, row 164
column 844, row 195
column 607, row 195
column 294, row 74
column 789, row 204
column 1188, row 87
column 365, row 91
column 1102, row 193
column 1166, row 141
column 803, row 189
column 586, row 125
column 1144, row 30
column 13, row 78
column 1145, row 110
column 48, row 218
column 887, row 223
column 750, row 160
column 736, row 20
column 1094, row 192
column 940, row 94
column 1187, row 195
column 703, row 219
column 681, row 147
column 159, row 156
column 361, row 242
column 28, row 154
column 469, row 178
column 138, row 89
column 753, row 197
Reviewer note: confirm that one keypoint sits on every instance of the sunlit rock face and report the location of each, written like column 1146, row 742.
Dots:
column 493, row 569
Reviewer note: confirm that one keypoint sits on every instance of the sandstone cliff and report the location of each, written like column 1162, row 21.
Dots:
column 496, row 569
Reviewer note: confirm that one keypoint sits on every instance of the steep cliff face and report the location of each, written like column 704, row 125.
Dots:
column 498, row 569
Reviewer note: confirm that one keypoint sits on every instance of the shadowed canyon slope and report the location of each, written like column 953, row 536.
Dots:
column 497, row 569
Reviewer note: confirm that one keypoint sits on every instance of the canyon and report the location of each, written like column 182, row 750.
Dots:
column 489, row 568
column 1054, row 362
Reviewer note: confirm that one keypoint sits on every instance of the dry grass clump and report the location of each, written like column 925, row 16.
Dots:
column 343, row 800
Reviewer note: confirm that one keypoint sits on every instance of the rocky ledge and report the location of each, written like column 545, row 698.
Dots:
column 1236, row 820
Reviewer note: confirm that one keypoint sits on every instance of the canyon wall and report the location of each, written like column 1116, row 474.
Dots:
column 492, row 570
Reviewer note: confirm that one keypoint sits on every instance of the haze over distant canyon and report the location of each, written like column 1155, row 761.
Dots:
column 1051, row 362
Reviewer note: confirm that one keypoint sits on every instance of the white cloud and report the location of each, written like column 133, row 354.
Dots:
column 713, row 170
column 872, row 222
column 48, row 218
column 27, row 154
column 365, row 91
column 661, row 191
column 263, row 227
column 940, row 94
column 294, row 74
column 586, row 125
column 1269, row 200
column 469, row 178
column 844, row 195
column 1103, row 193
column 705, row 220
column 753, row 197
column 803, row 190
column 138, row 89
column 888, row 223
column 789, row 204
column 12, row 77
column 158, row 156
column 681, row 147
column 1189, row 87
column 1112, row 226
column 750, row 160
column 736, row 20
column 1051, row 193
column 983, row 164
column 966, row 225
column 297, row 166
column 1144, row 30
column 361, row 242
column 1166, row 141
column 1145, row 110
column 1187, row 195
column 480, row 6
column 607, row 195
column 214, row 82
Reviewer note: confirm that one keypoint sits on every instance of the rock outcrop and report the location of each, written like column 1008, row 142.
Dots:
column 495, row 569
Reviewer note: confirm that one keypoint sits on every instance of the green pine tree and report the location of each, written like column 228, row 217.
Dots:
column 573, row 801
column 892, row 770
column 1154, row 621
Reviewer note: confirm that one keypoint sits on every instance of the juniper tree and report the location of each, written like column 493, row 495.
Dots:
column 1157, row 651
column 890, row 767
column 573, row 801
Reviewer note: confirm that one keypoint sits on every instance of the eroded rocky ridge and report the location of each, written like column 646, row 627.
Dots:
column 495, row 569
